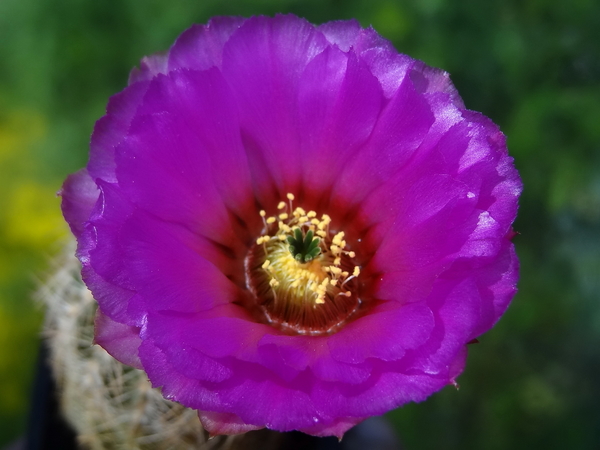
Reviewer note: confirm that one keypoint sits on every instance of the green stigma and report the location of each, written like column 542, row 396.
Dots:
column 303, row 248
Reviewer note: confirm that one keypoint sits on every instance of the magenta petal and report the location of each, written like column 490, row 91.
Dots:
column 400, row 129
column 198, row 104
column 224, row 423
column 389, row 67
column 105, row 275
column 293, row 354
column 384, row 392
column 458, row 314
column 163, row 266
column 279, row 408
column 110, row 130
column 431, row 80
column 502, row 292
column 286, row 362
column 330, row 370
column 458, row 365
column 197, row 366
column 220, row 332
column 79, row 195
column 105, row 222
column 342, row 33
column 150, row 66
column 339, row 103
column 175, row 385
column 121, row 341
column 201, row 46
column 337, row 428
column 385, row 335
column 267, row 93
column 167, row 145
column 496, row 285
column 112, row 298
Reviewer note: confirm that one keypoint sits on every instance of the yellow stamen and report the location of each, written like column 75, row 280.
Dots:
column 316, row 282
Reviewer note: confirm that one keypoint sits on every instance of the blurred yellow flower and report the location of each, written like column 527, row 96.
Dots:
column 33, row 216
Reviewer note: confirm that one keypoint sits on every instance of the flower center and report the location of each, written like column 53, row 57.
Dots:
column 301, row 273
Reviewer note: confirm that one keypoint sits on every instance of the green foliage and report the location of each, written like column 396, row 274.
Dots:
column 533, row 67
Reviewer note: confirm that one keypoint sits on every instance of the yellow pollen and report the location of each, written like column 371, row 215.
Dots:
column 317, row 281
column 283, row 227
column 337, row 239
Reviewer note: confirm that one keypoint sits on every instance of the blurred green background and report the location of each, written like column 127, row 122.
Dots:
column 533, row 66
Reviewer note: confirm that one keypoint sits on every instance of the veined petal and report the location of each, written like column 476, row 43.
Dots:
column 79, row 194
column 263, row 63
column 339, row 103
column 121, row 341
column 111, row 129
column 224, row 423
column 201, row 46
column 401, row 128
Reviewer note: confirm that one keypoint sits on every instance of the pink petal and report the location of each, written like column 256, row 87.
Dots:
column 263, row 63
column 339, row 103
column 385, row 335
column 201, row 46
column 224, row 423
column 79, row 195
column 121, row 341
column 110, row 130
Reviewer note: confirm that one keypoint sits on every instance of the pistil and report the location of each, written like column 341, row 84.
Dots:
column 302, row 272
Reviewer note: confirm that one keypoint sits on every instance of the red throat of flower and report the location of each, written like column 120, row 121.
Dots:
column 301, row 272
